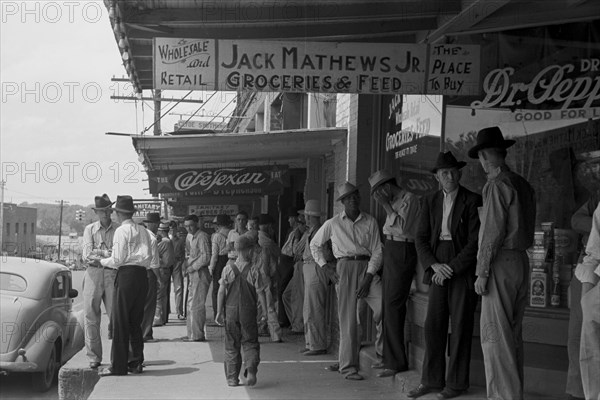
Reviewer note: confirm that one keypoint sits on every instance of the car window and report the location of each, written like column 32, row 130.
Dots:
column 12, row 282
column 59, row 286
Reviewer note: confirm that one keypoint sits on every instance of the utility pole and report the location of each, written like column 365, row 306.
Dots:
column 60, row 228
column 2, row 183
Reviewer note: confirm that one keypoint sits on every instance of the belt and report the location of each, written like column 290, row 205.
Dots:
column 356, row 258
column 399, row 239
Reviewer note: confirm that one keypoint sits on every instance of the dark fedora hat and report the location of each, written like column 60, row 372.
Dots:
column 152, row 218
column 223, row 220
column 102, row 202
column 488, row 138
column 447, row 160
column 124, row 204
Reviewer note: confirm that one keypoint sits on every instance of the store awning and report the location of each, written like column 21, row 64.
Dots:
column 235, row 149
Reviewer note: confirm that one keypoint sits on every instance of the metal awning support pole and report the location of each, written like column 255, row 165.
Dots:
column 157, row 117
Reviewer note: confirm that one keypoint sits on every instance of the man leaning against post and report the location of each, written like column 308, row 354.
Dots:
column 399, row 264
column 356, row 244
column 507, row 230
column 98, row 282
column 446, row 243
column 198, row 245
column 133, row 251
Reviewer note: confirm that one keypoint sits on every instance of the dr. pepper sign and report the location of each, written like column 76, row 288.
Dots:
column 268, row 179
column 272, row 66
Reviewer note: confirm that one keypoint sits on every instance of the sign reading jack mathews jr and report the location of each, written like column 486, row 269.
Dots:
column 233, row 181
column 273, row 66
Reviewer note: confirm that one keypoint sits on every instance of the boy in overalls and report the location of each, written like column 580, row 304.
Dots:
column 240, row 288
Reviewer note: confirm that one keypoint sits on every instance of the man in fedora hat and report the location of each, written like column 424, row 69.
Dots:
column 446, row 242
column 152, row 222
column 166, row 254
column 356, row 244
column 134, row 250
column 219, row 255
column 98, row 282
column 198, row 250
column 315, row 285
column 399, row 264
column 507, row 230
column 292, row 299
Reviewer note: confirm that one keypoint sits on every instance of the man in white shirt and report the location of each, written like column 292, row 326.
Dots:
column 134, row 250
column 588, row 272
column 98, row 282
column 356, row 244
column 198, row 250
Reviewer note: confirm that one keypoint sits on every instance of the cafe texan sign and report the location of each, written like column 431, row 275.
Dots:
column 231, row 181
column 286, row 66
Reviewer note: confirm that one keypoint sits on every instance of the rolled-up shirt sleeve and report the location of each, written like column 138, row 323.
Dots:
column 318, row 242
column 88, row 242
column 589, row 270
column 376, row 250
column 494, row 219
column 120, row 250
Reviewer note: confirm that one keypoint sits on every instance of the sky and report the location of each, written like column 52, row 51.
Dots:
column 56, row 64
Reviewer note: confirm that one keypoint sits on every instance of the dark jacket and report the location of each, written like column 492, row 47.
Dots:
column 464, row 228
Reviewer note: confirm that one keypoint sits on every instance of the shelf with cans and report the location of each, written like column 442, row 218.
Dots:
column 552, row 261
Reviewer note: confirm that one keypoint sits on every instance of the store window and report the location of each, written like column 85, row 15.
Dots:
column 410, row 139
column 540, row 86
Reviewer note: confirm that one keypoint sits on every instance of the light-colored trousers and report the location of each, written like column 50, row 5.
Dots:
column 178, row 286
column 351, row 273
column 98, row 287
column 293, row 298
column 315, row 303
column 590, row 343
column 272, row 305
column 502, row 311
column 196, row 306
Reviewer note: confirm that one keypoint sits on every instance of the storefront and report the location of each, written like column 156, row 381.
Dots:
column 541, row 86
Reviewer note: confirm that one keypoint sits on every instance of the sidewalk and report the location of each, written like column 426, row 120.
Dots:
column 194, row 370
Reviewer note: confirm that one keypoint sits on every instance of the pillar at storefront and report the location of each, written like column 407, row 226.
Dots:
column 314, row 186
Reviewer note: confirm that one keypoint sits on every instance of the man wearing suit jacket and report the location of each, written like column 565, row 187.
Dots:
column 446, row 243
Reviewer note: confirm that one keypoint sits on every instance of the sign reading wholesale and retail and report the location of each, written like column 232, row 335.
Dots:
column 262, row 180
column 273, row 66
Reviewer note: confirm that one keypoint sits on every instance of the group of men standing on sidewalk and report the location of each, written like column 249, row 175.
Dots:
column 460, row 259
column 467, row 244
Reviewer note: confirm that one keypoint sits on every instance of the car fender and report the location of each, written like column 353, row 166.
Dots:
column 40, row 344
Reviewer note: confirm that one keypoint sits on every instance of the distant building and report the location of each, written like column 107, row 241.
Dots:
column 19, row 230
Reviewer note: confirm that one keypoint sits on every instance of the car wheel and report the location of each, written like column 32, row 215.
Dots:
column 43, row 380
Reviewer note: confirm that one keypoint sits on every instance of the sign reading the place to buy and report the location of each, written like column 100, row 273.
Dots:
column 273, row 66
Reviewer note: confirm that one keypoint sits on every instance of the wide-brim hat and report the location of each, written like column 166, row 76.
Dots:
column 345, row 189
column 164, row 226
column 102, row 202
column 488, row 138
column 380, row 177
column 124, row 204
column 312, row 208
column 223, row 220
column 152, row 218
column 447, row 160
